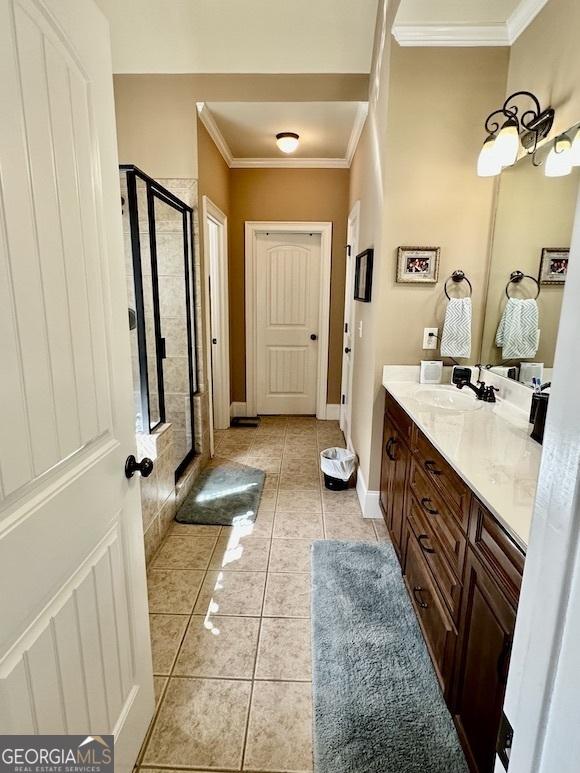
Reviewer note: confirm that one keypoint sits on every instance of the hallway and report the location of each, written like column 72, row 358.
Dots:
column 230, row 611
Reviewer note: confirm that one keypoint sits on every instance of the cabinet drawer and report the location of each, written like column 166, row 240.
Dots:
column 440, row 517
column 497, row 551
column 448, row 584
column 399, row 416
column 438, row 629
column 443, row 476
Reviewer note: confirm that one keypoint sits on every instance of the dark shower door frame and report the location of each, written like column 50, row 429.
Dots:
column 155, row 191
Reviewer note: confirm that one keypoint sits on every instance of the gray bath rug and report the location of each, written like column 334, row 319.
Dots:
column 377, row 703
column 224, row 495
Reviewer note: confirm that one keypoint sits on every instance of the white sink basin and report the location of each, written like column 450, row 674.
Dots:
column 449, row 399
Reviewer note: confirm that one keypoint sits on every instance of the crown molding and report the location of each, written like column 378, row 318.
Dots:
column 214, row 132
column 359, row 122
column 523, row 16
column 292, row 162
column 461, row 35
column 469, row 35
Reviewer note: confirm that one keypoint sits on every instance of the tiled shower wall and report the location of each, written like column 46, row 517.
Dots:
column 168, row 443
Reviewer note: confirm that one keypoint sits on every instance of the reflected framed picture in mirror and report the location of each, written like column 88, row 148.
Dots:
column 363, row 277
column 418, row 265
column 553, row 266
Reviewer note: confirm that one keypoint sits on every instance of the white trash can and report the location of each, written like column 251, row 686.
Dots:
column 338, row 465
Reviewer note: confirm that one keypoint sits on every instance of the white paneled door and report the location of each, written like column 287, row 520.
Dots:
column 288, row 273
column 74, row 641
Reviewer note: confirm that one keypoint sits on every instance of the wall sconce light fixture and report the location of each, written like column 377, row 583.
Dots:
column 510, row 128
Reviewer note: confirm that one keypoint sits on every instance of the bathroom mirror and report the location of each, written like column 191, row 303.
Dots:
column 532, row 233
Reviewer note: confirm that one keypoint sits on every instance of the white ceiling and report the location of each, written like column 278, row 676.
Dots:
column 245, row 132
column 241, row 36
column 455, row 11
column 249, row 128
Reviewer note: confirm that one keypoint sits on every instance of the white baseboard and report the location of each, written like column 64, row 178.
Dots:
column 333, row 412
column 238, row 409
column 369, row 500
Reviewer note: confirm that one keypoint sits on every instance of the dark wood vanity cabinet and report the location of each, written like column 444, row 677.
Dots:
column 394, row 480
column 463, row 573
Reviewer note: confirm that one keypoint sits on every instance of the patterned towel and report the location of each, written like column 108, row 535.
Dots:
column 456, row 338
column 517, row 333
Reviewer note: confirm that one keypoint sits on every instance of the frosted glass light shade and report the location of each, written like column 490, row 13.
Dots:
column 507, row 143
column 287, row 141
column 487, row 163
column 575, row 149
column 559, row 160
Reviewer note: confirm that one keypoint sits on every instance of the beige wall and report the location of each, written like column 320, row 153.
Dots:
column 287, row 194
column 414, row 173
column 156, row 125
column 545, row 59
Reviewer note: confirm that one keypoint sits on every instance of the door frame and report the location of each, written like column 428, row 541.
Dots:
column 353, row 227
column 217, row 299
column 252, row 229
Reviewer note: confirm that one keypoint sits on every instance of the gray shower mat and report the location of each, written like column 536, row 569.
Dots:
column 223, row 495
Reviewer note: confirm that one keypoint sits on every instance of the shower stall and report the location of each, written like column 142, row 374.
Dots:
column 159, row 256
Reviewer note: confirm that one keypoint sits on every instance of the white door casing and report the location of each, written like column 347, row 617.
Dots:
column 349, row 339
column 287, row 301
column 74, row 639
column 215, row 225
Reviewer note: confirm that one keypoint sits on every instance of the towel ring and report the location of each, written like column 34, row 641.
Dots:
column 516, row 277
column 458, row 276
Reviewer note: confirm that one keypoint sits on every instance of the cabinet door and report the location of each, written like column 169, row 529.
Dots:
column 394, row 468
column 486, row 631
column 387, row 470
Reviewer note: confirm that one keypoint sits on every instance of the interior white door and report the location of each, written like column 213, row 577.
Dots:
column 216, row 254
column 288, row 271
column 348, row 335
column 74, row 639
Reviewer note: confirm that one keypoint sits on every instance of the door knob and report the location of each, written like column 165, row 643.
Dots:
column 347, row 350
column 145, row 466
column 313, row 337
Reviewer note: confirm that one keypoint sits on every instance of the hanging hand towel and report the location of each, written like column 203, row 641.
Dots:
column 517, row 333
column 456, row 338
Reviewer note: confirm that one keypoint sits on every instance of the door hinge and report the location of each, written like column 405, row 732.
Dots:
column 348, row 250
column 346, row 327
column 343, row 400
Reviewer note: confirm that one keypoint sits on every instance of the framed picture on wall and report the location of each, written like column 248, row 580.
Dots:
column 418, row 265
column 363, row 276
column 554, row 265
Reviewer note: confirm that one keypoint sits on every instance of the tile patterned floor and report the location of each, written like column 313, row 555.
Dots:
column 230, row 610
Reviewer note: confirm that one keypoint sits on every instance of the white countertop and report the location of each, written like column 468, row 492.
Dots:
column 490, row 448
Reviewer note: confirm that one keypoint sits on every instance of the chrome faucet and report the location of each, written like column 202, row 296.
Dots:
column 483, row 392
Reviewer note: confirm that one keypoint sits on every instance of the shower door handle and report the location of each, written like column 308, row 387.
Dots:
column 162, row 349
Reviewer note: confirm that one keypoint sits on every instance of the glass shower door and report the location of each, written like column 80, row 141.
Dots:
column 172, row 236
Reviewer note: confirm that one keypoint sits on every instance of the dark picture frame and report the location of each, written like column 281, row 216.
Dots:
column 418, row 265
column 554, row 266
column 363, row 276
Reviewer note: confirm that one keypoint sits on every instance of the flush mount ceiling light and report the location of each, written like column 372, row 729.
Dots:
column 514, row 129
column 287, row 141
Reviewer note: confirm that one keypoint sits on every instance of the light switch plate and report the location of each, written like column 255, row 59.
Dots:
column 430, row 342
